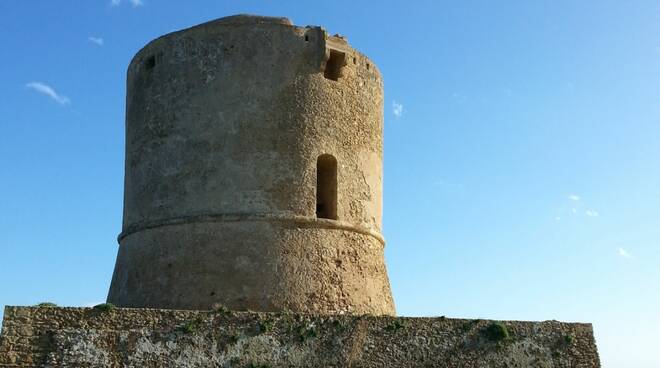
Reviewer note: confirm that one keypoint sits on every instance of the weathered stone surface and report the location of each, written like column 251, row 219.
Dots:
column 84, row 337
column 225, row 123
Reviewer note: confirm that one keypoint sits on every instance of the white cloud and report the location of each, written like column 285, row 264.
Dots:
column 557, row 218
column 592, row 213
column 397, row 109
column 449, row 185
column 574, row 197
column 96, row 40
column 48, row 91
column 624, row 253
column 135, row 3
column 574, row 210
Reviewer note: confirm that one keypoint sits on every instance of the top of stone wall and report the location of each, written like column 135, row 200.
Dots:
column 86, row 337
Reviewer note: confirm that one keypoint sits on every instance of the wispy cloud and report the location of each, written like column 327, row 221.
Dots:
column 448, row 185
column 96, row 40
column 397, row 109
column 574, row 206
column 624, row 253
column 135, row 3
column 48, row 91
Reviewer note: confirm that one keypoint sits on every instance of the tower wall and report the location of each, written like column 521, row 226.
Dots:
column 225, row 125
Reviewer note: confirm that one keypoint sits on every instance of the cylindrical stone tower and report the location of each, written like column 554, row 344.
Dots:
column 253, row 172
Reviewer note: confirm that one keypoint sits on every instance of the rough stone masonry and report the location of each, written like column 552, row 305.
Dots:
column 253, row 181
column 253, row 172
column 86, row 337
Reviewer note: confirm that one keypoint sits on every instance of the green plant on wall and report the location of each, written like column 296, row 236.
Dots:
column 496, row 332
column 265, row 326
column 395, row 325
column 191, row 326
column 307, row 332
column 255, row 365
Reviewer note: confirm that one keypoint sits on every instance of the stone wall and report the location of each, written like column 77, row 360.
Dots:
column 86, row 337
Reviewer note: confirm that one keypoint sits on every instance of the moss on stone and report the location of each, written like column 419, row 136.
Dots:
column 46, row 305
column 104, row 307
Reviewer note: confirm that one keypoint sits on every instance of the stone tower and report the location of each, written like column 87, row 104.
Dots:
column 253, row 172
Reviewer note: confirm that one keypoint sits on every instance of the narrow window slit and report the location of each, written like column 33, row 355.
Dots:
column 326, row 187
column 150, row 62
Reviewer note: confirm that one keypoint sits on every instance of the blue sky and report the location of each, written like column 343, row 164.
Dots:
column 521, row 152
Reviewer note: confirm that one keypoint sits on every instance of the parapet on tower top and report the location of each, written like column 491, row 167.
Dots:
column 248, row 19
column 340, row 52
column 253, row 172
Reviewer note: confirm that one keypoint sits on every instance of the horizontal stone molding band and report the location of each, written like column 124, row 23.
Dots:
column 295, row 220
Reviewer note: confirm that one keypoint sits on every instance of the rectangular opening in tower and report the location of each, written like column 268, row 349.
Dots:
column 334, row 64
column 326, row 187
